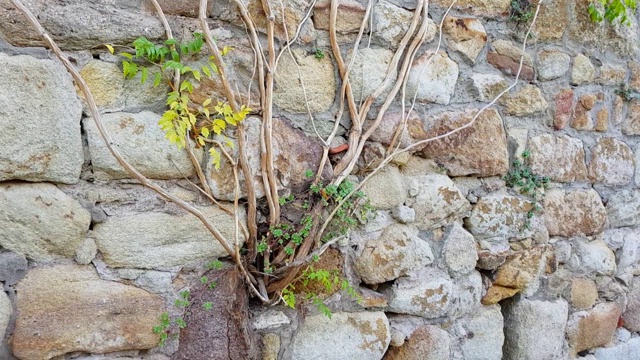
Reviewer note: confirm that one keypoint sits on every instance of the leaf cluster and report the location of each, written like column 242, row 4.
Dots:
column 522, row 178
column 612, row 11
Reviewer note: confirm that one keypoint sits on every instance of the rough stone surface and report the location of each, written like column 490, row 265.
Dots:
column 391, row 23
column 634, row 80
column 525, row 321
column 270, row 347
column 623, row 208
column 318, row 79
column 631, row 315
column 153, row 240
column 437, row 200
column 466, row 35
column 612, row 162
column 368, row 71
column 552, row 20
column 552, row 64
column 526, row 101
column 564, row 108
column 628, row 350
column 488, row 86
column 363, row 335
column 426, row 343
column 522, row 270
column 67, row 308
column 631, row 124
column 479, row 7
column 349, row 16
column 459, row 251
column 612, row 75
column 6, row 310
column 506, row 58
column 270, row 319
column 595, row 256
column 38, row 92
column 501, row 216
column 561, row 158
column 593, row 328
column 386, row 189
column 485, row 336
column 141, row 142
column 396, row 252
column 574, row 213
column 629, row 254
column 434, row 80
column 583, row 293
column 13, row 267
column 602, row 120
column 583, row 71
column 40, row 222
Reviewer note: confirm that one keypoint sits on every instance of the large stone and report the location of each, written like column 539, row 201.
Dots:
column 358, row 336
column 552, row 20
column 13, row 267
column 488, row 86
column 479, row 7
column 522, row 270
column 526, row 101
column 629, row 254
column 391, row 22
column 506, row 57
column 141, row 142
column 437, row 200
column 426, row 343
column 40, row 221
column 155, row 240
column 396, row 252
column 564, row 108
column 525, row 321
column 552, row 64
column 627, row 350
column 623, row 208
column 631, row 124
column 574, row 213
column 561, row 158
column 6, row 310
column 612, row 75
column 80, row 25
column 612, row 162
column 316, row 75
column 386, row 189
column 38, row 100
column 466, row 35
column 583, row 71
column 584, row 293
column 433, row 77
column 459, row 251
column 485, row 336
column 593, row 328
column 631, row 315
column 68, row 308
column 369, row 71
column 349, row 16
column 596, row 257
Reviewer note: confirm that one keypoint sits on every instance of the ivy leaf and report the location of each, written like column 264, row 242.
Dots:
column 110, row 48
column 196, row 74
column 171, row 42
column 144, row 75
column 206, row 71
column 215, row 158
column 156, row 80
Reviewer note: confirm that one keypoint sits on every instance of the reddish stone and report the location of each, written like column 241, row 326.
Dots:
column 509, row 66
column 564, row 109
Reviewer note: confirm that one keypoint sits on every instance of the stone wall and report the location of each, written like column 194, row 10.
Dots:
column 452, row 267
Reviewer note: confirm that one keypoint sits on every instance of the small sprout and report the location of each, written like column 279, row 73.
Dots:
column 181, row 323
column 207, row 305
column 204, row 280
column 308, row 173
column 212, row 285
column 215, row 264
column 319, row 54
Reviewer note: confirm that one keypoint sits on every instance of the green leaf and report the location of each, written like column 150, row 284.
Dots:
column 206, row 71
column 145, row 73
column 157, row 78
column 127, row 55
column 170, row 42
column 196, row 74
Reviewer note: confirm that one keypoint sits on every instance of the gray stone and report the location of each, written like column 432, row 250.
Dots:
column 158, row 282
column 612, row 162
column 357, row 336
column 40, row 221
column 390, row 23
column 583, row 71
column 6, row 310
column 396, row 252
column 155, row 240
column 528, row 100
column 37, row 92
column 86, row 252
column 631, row 315
column 595, row 257
column 488, row 86
column 386, row 189
column 534, row 329
column 623, row 208
column 433, row 77
column 404, row 214
column 574, row 213
column 612, row 75
column 459, row 251
column 552, row 64
column 369, row 71
column 13, row 267
column 629, row 255
column 561, row 158
column 270, row 319
column 141, row 142
column 628, row 350
column 81, row 24
column 507, row 48
column 438, row 200
column 485, row 335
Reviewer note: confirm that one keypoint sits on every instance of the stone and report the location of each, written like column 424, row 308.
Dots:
column 6, row 310
column 479, row 7
column 349, row 17
column 595, row 256
column 631, row 124
column 13, row 267
column 627, row 350
column 634, row 80
column 358, row 336
column 612, row 162
column 590, row 329
column 602, row 120
column 403, row 214
column 368, row 72
column 623, row 208
column 391, row 23
column 270, row 319
column 433, row 80
column 155, row 240
column 501, row 216
column 466, row 35
column 317, row 76
column 506, row 58
column 459, row 251
column 86, row 252
column 427, row 343
column 396, row 252
column 524, row 322
column 491, row 259
column 141, row 142
column 611, row 75
column 526, row 101
column 485, row 336
column 437, row 201
column 83, row 25
column 631, row 315
column 68, row 308
column 106, row 83
column 582, row 119
column 507, row 48
column 583, row 293
column 386, row 190
column 497, row 293
column 564, row 109
column 480, row 149
column 40, row 222
column 488, row 86
column 158, row 282
column 522, row 270
column 578, row 212
column 583, row 71
column 270, row 346
column 561, row 158
column 629, row 254
column 552, row 21
column 30, row 86
column 552, row 64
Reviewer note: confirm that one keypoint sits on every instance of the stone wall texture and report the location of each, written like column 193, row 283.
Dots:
column 456, row 265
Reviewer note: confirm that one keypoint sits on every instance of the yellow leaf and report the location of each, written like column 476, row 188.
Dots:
column 110, row 48
column 205, row 132
column 206, row 102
